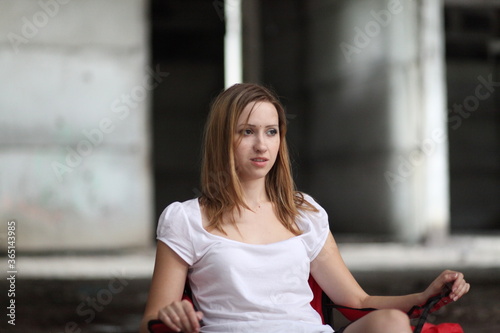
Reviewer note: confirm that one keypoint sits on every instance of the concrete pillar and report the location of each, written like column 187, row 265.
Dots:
column 378, row 139
column 74, row 108
column 433, row 139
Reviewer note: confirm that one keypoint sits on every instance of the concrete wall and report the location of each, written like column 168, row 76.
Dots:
column 74, row 108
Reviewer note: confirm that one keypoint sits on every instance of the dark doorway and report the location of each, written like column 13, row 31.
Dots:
column 187, row 39
column 473, row 75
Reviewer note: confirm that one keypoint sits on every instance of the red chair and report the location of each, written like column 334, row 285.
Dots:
column 324, row 306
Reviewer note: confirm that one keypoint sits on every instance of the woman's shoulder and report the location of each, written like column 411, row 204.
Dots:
column 307, row 203
column 311, row 212
column 313, row 222
column 181, row 213
column 178, row 227
column 306, row 196
column 190, row 206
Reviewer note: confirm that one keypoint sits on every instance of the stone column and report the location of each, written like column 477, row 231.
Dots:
column 75, row 168
column 378, row 141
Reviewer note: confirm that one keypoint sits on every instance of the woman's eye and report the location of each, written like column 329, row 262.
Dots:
column 247, row 132
column 272, row 131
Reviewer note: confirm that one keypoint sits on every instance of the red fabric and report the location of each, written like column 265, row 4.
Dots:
column 156, row 326
column 442, row 328
column 317, row 302
column 353, row 314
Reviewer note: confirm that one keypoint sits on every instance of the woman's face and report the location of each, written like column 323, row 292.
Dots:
column 257, row 141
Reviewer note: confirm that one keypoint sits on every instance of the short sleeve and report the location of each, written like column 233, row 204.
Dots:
column 315, row 227
column 175, row 231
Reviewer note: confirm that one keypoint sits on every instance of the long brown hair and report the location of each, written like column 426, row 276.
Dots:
column 221, row 188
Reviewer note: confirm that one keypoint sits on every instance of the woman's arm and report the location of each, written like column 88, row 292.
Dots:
column 165, row 294
column 331, row 273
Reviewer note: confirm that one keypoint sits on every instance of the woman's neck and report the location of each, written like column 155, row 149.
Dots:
column 254, row 192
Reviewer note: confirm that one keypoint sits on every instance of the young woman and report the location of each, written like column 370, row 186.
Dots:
column 248, row 245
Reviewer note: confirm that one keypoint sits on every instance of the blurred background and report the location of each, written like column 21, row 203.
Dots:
column 393, row 127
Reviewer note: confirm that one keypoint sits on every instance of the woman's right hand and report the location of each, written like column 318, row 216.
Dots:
column 180, row 316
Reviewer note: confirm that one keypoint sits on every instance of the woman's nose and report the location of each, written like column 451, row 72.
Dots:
column 260, row 145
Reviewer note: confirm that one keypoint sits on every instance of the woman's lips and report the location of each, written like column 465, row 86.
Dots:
column 259, row 161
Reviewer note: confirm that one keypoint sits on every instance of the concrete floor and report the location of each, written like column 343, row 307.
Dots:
column 107, row 293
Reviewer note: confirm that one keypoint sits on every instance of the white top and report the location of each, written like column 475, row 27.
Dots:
column 244, row 287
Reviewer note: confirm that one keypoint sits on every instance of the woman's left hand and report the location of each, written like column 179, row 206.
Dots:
column 459, row 286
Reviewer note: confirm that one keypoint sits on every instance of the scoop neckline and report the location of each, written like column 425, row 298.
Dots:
column 200, row 224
